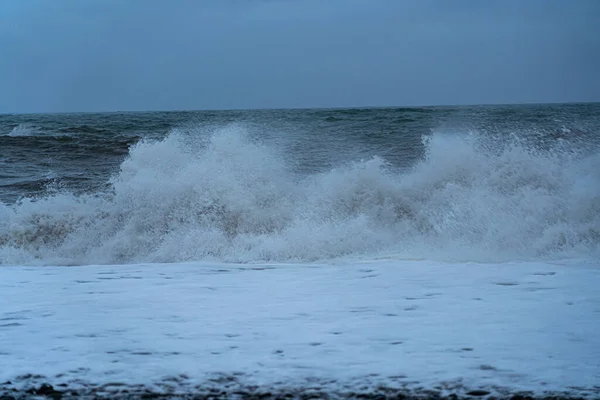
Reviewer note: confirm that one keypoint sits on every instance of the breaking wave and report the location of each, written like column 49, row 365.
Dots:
column 24, row 130
column 234, row 199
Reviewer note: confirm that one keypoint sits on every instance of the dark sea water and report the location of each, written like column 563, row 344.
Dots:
column 484, row 183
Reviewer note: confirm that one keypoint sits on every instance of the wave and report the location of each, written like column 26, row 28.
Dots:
column 83, row 129
column 24, row 130
column 234, row 199
column 30, row 130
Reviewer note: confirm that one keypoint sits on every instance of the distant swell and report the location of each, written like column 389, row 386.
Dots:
column 229, row 198
column 84, row 129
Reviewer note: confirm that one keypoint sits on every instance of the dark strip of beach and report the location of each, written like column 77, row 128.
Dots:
column 232, row 389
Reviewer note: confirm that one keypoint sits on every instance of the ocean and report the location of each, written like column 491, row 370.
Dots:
column 427, row 252
column 483, row 183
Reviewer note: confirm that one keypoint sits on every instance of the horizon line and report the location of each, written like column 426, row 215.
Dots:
column 298, row 108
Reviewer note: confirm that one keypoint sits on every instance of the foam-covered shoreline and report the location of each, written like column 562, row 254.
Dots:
column 530, row 327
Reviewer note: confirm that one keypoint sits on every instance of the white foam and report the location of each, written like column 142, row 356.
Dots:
column 520, row 326
column 24, row 130
column 230, row 198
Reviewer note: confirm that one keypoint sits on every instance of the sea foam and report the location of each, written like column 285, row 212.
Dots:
column 228, row 197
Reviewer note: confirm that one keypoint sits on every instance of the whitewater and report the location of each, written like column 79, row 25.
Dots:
column 230, row 199
column 211, row 260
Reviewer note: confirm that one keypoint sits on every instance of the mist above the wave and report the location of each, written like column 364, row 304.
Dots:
column 229, row 197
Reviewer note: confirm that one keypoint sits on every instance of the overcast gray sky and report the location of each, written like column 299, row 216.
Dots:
column 106, row 55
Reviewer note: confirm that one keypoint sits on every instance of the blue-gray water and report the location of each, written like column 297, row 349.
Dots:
column 484, row 183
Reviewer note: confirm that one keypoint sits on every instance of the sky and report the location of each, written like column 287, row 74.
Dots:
column 129, row 55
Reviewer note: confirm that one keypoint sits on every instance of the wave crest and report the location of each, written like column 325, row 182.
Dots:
column 231, row 198
column 22, row 130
